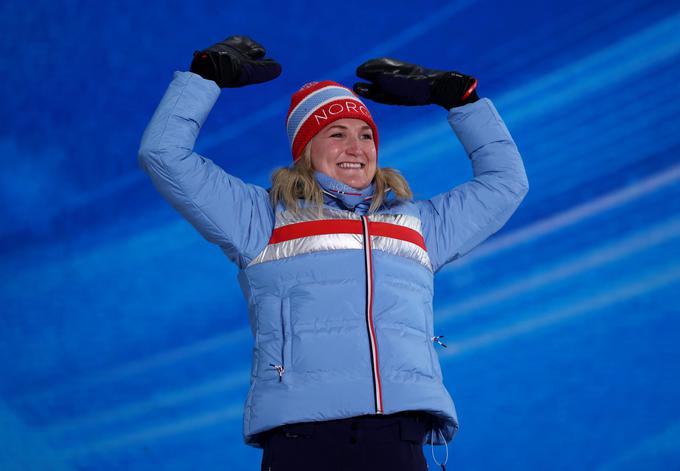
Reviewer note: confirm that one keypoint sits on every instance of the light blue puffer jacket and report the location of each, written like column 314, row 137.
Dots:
column 340, row 301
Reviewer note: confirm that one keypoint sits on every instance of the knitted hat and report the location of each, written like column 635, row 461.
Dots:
column 317, row 104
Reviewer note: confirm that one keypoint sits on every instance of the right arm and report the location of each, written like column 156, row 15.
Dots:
column 226, row 211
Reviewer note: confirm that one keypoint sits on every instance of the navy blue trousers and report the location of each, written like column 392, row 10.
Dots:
column 371, row 442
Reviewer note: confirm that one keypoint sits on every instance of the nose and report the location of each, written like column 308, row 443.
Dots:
column 353, row 146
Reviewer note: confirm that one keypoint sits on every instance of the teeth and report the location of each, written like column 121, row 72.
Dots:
column 350, row 165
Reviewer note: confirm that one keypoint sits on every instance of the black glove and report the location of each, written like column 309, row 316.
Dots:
column 400, row 83
column 235, row 62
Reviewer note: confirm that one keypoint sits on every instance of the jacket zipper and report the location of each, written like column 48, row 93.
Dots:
column 377, row 385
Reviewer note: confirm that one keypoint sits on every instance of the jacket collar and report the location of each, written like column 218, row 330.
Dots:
column 345, row 195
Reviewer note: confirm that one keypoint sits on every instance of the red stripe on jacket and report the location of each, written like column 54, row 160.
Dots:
column 345, row 226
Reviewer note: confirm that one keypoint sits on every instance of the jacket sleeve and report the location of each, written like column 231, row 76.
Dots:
column 226, row 211
column 457, row 221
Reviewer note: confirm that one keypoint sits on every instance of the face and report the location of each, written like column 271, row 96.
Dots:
column 345, row 150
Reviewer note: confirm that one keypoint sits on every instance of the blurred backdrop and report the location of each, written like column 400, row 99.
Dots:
column 124, row 342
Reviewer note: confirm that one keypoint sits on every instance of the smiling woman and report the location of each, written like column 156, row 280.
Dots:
column 345, row 370
column 333, row 138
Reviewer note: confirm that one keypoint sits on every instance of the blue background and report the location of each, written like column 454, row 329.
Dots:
column 123, row 334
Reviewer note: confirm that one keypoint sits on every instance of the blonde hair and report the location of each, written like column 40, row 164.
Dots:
column 291, row 184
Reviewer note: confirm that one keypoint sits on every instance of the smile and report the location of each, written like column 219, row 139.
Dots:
column 351, row 165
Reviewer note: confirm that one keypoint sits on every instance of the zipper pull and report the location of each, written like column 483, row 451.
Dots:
column 436, row 339
column 279, row 369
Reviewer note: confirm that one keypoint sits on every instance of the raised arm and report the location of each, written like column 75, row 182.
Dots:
column 453, row 223
column 226, row 211
column 457, row 221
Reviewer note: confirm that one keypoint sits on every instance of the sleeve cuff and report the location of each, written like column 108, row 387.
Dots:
column 196, row 97
column 477, row 124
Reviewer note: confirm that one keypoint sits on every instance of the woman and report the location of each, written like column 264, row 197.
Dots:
column 337, row 260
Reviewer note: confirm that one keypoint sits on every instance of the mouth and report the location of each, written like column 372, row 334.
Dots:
column 351, row 165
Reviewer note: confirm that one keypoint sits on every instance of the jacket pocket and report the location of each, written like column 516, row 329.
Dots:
column 436, row 367
column 284, row 354
column 273, row 338
column 286, row 331
column 431, row 341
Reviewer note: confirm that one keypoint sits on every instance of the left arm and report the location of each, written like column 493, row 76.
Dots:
column 457, row 221
column 453, row 223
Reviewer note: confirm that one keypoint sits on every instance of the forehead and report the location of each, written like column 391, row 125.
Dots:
column 348, row 123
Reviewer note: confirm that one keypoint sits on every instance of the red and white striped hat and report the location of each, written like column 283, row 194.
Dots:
column 315, row 106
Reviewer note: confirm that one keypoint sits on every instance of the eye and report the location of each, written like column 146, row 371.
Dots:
column 337, row 134
column 367, row 136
